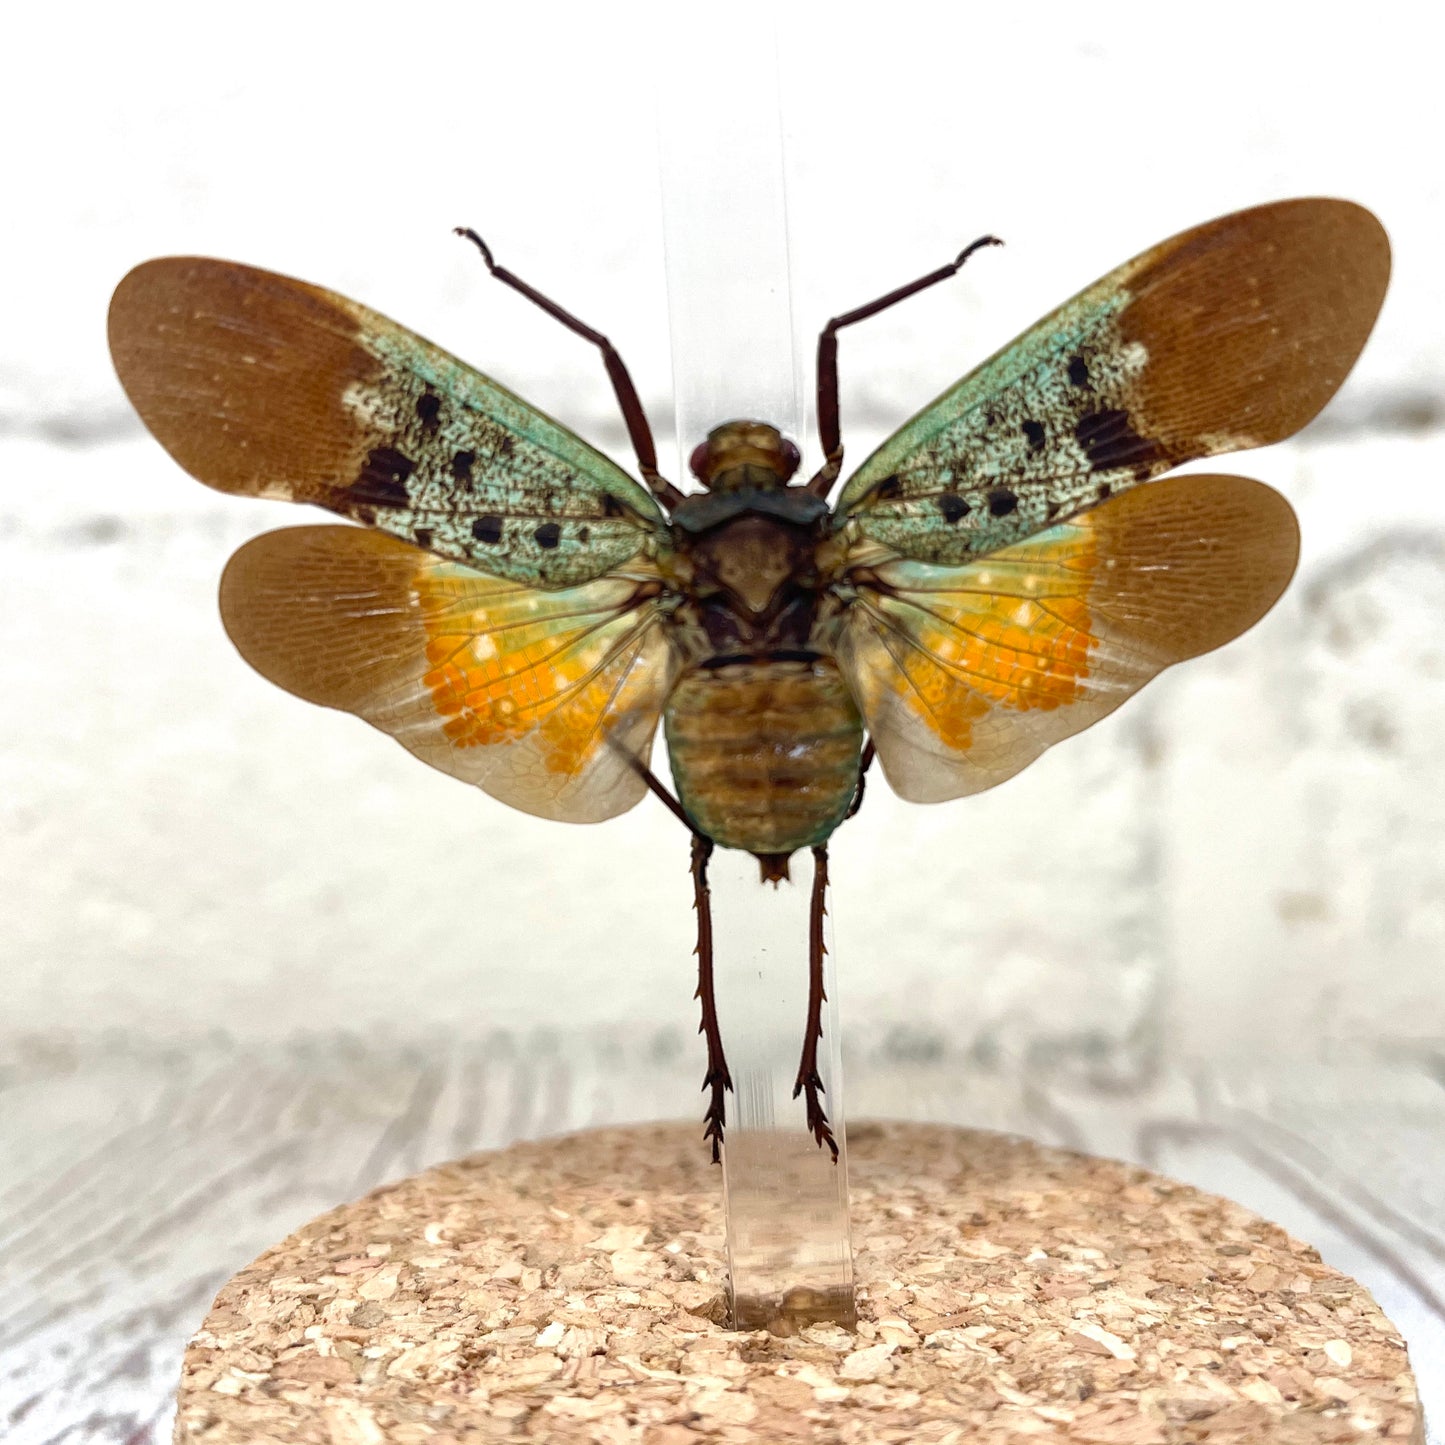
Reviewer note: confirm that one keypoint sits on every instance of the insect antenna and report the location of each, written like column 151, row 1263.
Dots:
column 632, row 413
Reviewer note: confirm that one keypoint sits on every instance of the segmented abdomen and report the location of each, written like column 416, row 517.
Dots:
column 765, row 754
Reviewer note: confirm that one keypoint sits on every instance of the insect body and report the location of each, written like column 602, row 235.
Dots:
column 764, row 736
column 520, row 613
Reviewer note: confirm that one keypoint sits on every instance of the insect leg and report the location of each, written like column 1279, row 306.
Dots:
column 866, row 762
column 808, row 1083
column 828, row 428
column 718, row 1080
column 626, row 393
column 660, row 790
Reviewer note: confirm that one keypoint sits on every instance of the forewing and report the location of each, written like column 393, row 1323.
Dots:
column 1231, row 335
column 259, row 384
column 966, row 674
column 539, row 697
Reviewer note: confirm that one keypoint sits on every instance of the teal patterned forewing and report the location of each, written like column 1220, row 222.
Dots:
column 494, row 481
column 260, row 384
column 1038, row 432
column 1229, row 336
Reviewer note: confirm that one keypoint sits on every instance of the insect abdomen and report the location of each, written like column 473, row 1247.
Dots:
column 765, row 754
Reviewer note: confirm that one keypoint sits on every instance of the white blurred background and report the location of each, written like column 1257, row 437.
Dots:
column 1206, row 934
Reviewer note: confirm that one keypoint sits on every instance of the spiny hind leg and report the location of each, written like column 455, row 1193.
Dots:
column 809, row 1083
column 864, row 763
column 718, row 1080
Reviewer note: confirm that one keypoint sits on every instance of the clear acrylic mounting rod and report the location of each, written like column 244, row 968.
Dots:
column 733, row 355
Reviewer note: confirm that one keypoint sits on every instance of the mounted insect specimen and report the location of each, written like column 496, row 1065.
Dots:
column 520, row 613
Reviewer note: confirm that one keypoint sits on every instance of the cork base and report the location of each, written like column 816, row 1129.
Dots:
column 570, row 1290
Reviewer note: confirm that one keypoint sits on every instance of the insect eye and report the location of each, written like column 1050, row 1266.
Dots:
column 698, row 460
column 792, row 458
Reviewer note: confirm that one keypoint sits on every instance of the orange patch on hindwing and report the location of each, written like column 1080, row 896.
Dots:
column 1015, row 635
column 510, row 662
column 519, row 690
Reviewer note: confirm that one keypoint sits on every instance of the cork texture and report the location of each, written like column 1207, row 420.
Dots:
column 572, row 1290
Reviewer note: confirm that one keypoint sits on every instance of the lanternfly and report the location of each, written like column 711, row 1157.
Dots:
column 1002, row 572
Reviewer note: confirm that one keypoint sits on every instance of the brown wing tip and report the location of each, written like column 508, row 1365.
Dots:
column 285, row 594
column 148, row 292
column 241, row 374
column 149, row 311
column 1209, row 555
column 1327, row 225
column 1342, row 239
column 1354, row 236
column 1253, row 321
column 1351, row 248
column 1274, row 553
column 249, row 605
column 131, row 317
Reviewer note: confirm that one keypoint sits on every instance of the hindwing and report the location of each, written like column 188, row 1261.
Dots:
column 965, row 675
column 544, row 698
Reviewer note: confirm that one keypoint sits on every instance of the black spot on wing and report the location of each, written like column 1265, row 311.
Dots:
column 1078, row 371
column 611, row 507
column 1034, row 431
column 462, row 465
column 952, row 507
column 487, row 529
column 422, row 537
column 382, row 482
column 1110, row 441
column 1001, row 502
column 429, row 408
column 548, row 535
column 584, row 534
column 888, row 488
